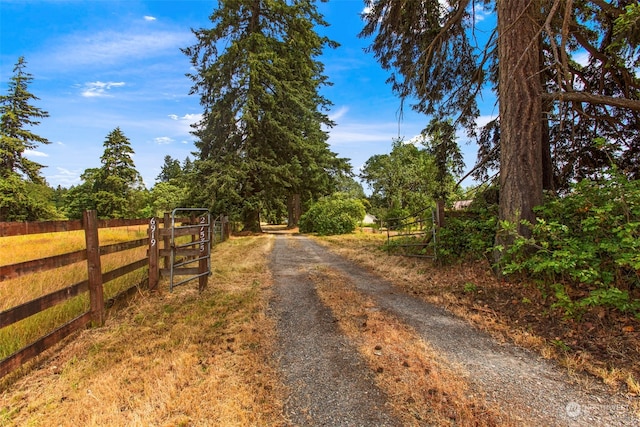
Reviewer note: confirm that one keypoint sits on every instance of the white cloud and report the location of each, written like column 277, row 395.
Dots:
column 336, row 115
column 35, row 153
column 483, row 120
column 582, row 58
column 363, row 133
column 192, row 117
column 112, row 47
column 162, row 140
column 64, row 177
column 99, row 89
column 183, row 125
column 149, row 18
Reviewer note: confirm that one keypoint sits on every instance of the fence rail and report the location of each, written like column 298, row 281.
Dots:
column 94, row 284
column 23, row 228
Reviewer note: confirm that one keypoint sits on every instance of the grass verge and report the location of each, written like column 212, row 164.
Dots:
column 166, row 359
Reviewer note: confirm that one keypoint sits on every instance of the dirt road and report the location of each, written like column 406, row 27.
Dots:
column 330, row 385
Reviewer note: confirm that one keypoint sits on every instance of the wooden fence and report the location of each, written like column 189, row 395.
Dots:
column 93, row 284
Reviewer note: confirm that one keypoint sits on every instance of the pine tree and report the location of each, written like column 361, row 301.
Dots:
column 18, row 115
column 261, row 132
column 170, row 170
column 24, row 195
column 117, row 180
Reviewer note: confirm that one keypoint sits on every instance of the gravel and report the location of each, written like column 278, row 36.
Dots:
column 331, row 385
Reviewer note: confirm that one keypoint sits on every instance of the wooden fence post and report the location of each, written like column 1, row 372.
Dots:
column 96, row 294
column 226, row 228
column 154, row 254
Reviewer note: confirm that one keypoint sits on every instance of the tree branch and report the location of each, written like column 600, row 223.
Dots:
column 630, row 104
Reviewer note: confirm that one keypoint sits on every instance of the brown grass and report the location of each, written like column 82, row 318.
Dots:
column 166, row 359
column 422, row 387
column 17, row 291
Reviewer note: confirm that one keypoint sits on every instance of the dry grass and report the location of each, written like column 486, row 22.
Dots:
column 167, row 359
column 17, row 291
column 423, row 388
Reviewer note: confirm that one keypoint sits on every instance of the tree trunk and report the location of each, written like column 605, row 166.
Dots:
column 251, row 220
column 440, row 213
column 520, row 113
column 294, row 210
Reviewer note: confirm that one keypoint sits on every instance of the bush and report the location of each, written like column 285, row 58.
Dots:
column 337, row 214
column 585, row 246
column 468, row 235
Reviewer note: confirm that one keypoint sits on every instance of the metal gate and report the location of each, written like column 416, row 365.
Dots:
column 185, row 253
column 408, row 236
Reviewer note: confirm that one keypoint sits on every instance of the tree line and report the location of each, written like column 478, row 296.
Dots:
column 114, row 190
column 261, row 145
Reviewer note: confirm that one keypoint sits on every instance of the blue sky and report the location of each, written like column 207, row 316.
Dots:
column 102, row 64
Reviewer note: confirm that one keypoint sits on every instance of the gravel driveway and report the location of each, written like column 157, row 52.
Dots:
column 330, row 384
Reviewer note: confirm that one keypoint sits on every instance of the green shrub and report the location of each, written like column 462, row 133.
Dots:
column 337, row 214
column 589, row 241
column 468, row 235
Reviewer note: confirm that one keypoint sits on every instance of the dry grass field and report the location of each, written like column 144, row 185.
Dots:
column 166, row 359
column 13, row 292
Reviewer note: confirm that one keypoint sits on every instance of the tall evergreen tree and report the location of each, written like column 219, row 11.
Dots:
column 170, row 170
column 261, row 131
column 18, row 115
column 25, row 195
column 117, row 180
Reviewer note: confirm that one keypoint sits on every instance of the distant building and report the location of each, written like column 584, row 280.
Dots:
column 369, row 219
column 461, row 205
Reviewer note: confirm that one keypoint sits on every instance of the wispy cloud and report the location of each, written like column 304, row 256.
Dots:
column 113, row 47
column 339, row 113
column 99, row 89
column 149, row 18
column 163, row 140
column 35, row 153
column 64, row 177
column 365, row 133
column 183, row 123
column 582, row 58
